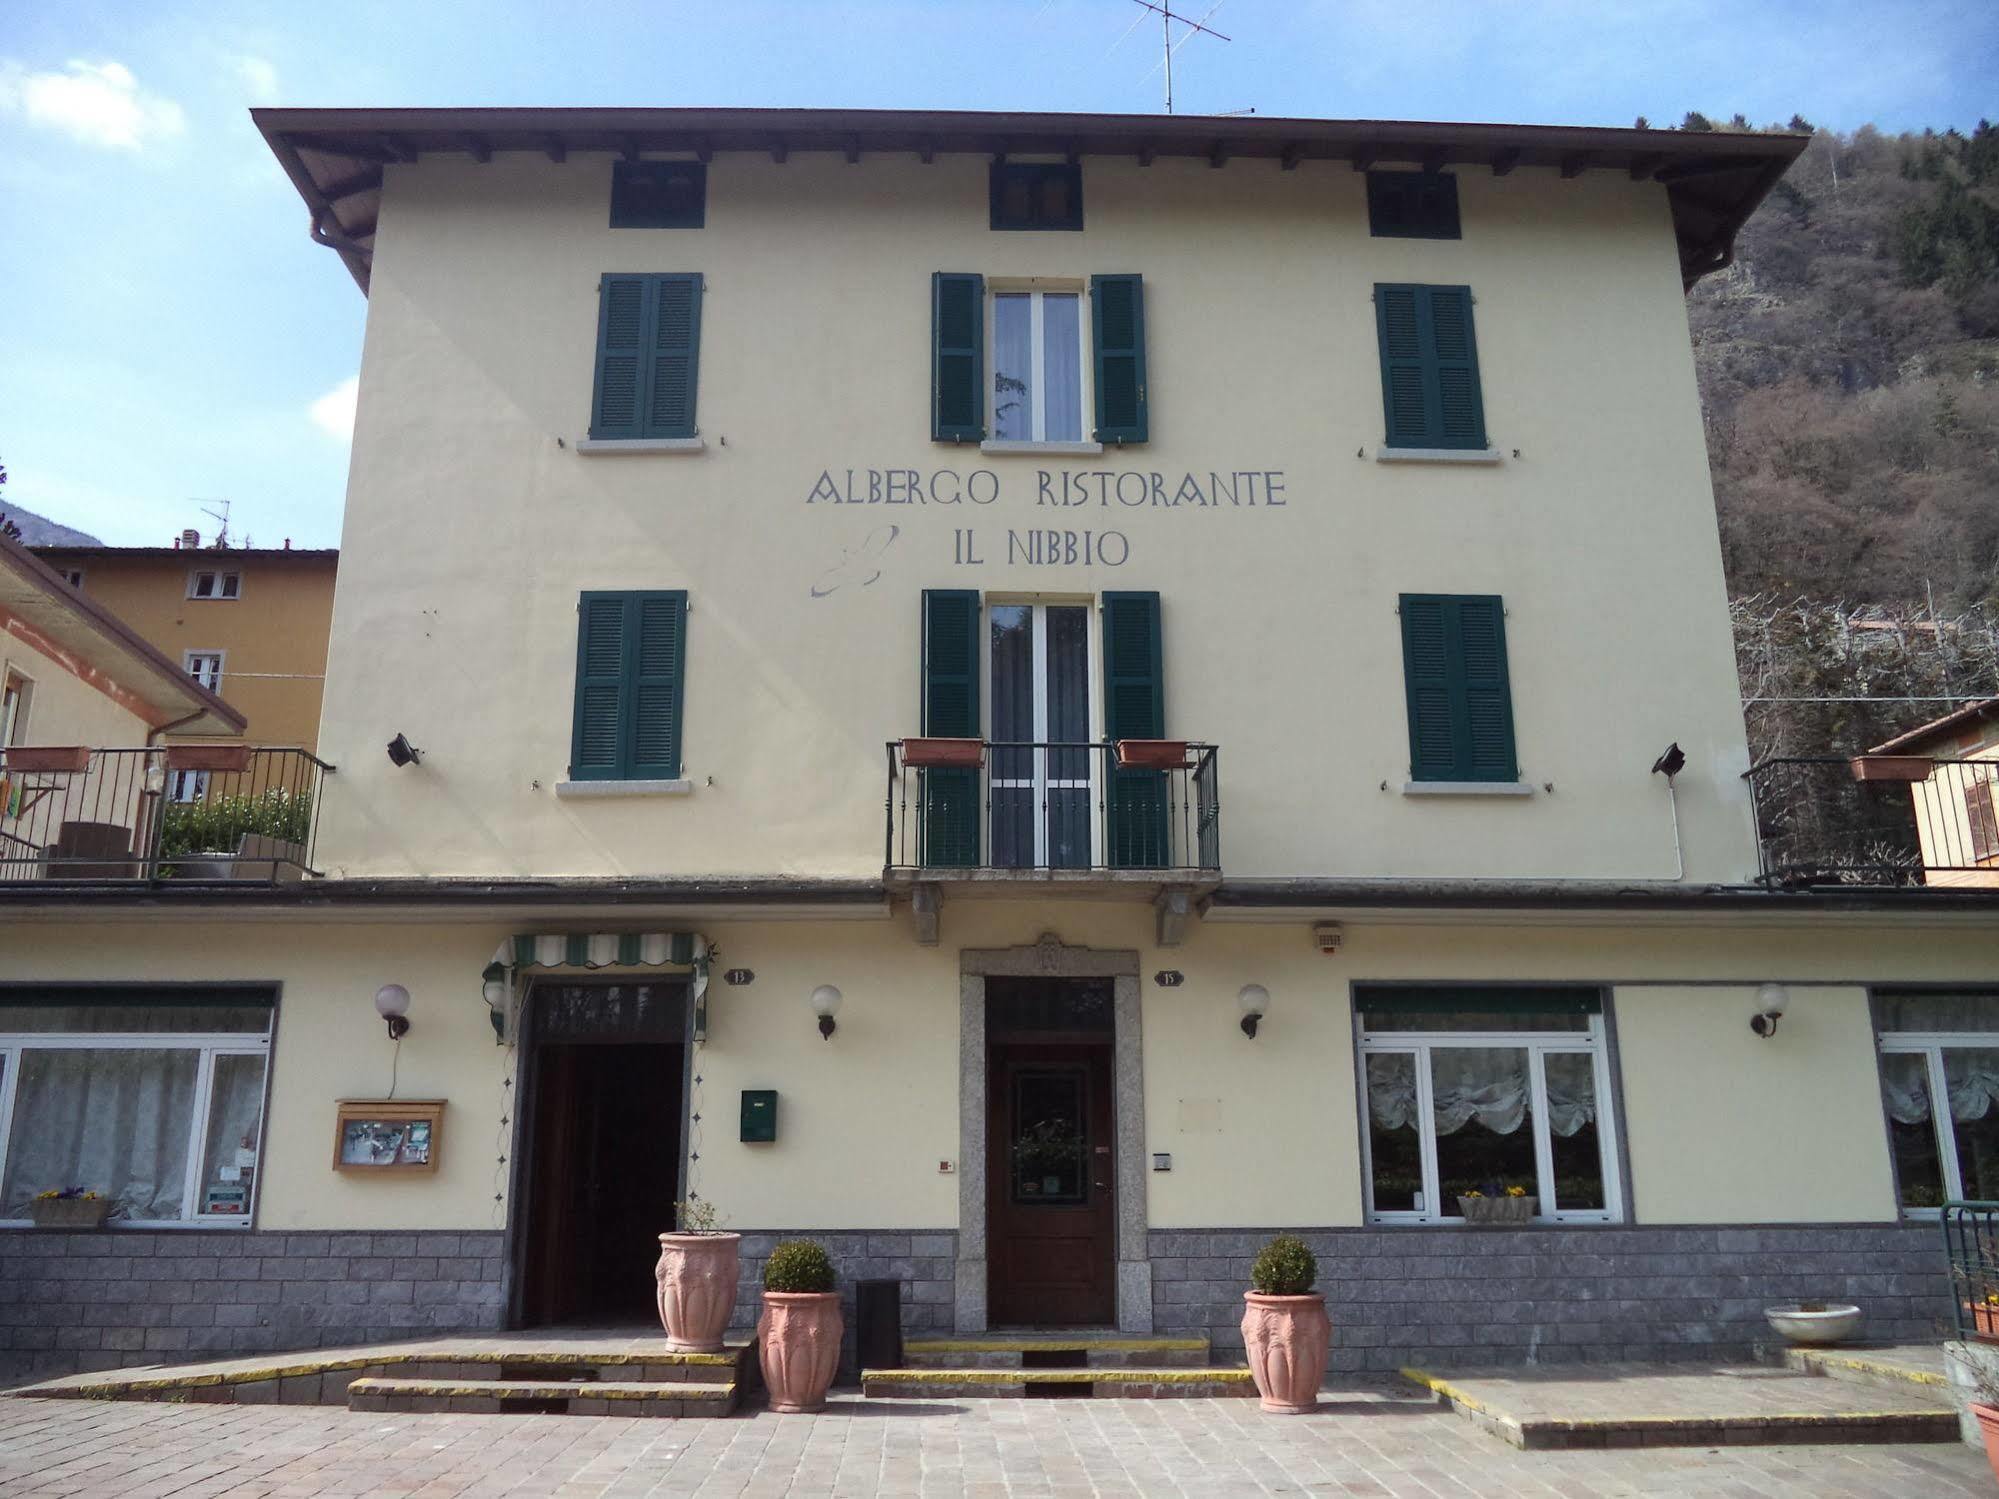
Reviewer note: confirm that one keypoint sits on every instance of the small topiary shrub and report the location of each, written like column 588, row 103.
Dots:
column 1284, row 1268
column 799, row 1265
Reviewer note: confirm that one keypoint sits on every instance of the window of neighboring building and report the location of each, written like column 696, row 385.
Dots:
column 1036, row 195
column 631, row 652
column 205, row 667
column 214, row 585
column 14, row 696
column 187, row 786
column 1429, row 367
column 648, row 357
column 1482, row 1089
column 1982, row 812
column 73, row 576
column 1455, row 678
column 1940, row 1089
column 1412, row 205
column 151, row 1098
column 658, row 194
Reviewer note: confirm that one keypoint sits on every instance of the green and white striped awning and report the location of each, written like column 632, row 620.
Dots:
column 605, row 950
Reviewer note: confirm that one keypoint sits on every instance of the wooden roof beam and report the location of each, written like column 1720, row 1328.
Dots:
column 480, row 147
column 1218, row 155
column 1293, row 154
column 628, row 146
column 349, row 187
column 779, row 152
column 1645, row 167
column 1146, row 154
column 1577, row 162
column 1434, row 159
column 704, row 152
column 555, row 148
column 401, row 148
column 927, row 152
column 1505, row 161
column 1364, row 157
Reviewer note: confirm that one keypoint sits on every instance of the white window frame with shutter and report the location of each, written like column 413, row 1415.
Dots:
column 1037, row 289
column 1040, row 782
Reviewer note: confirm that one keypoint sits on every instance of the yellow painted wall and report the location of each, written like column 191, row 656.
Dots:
column 474, row 523
column 274, row 637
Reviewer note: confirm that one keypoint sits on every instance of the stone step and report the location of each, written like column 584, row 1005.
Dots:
column 561, row 1397
column 1904, row 1370
column 731, row 1364
column 1141, row 1383
column 1087, row 1350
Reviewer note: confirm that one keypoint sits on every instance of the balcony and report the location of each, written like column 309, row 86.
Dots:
column 1876, row 820
column 1136, row 818
column 182, row 812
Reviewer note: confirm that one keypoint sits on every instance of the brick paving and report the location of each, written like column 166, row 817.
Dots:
column 1377, row 1441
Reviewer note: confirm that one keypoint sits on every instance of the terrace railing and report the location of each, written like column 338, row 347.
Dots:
column 1971, row 1251
column 1876, row 820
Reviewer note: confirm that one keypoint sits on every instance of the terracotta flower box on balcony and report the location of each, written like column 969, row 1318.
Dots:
column 208, row 757
column 1152, row 754
column 943, row 754
column 1892, row 767
column 49, row 757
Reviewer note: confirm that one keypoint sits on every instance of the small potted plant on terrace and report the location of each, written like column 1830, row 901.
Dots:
column 1498, row 1202
column 798, row 1335
column 1285, row 1330
column 1814, row 1322
column 69, row 1207
column 696, row 1278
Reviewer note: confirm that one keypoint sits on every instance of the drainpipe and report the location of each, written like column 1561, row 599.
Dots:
column 333, row 239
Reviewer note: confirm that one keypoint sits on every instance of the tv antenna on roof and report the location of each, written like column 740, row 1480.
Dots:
column 222, row 515
column 1167, row 17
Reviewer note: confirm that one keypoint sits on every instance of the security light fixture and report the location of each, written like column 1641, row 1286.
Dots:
column 402, row 752
column 825, row 1002
column 392, row 1003
column 1254, row 1002
column 1671, row 763
column 1770, row 1002
column 495, row 990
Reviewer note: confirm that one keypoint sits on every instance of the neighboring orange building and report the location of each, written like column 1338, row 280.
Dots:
column 250, row 623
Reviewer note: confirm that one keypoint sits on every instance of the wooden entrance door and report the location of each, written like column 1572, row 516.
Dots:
column 1051, row 1217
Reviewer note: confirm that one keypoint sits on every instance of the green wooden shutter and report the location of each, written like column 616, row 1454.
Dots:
column 597, row 736
column 1460, row 704
column 1429, row 367
column 950, row 798
column 1117, row 321
column 1137, row 825
column 957, row 357
column 675, row 356
column 623, row 319
column 657, row 653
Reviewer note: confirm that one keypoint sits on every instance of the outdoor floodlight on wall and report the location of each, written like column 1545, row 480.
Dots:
column 402, row 752
column 1671, row 763
column 1254, row 1002
column 392, row 1003
column 1770, row 1002
column 826, row 1004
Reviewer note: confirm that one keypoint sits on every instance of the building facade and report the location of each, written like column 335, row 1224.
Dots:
column 1038, row 698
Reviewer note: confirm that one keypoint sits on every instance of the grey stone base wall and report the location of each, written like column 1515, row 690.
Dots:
column 71, row 1303
column 924, row 1260
column 1554, row 1295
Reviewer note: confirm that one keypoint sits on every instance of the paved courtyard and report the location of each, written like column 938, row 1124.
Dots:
column 1373, row 1442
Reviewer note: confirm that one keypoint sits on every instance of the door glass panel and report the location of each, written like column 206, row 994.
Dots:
column 1068, row 715
column 1483, row 1114
column 1062, row 366
column 1574, row 1143
column 1012, row 677
column 1050, row 1148
column 1971, row 1078
column 1395, row 1145
column 1013, row 367
column 1912, row 1130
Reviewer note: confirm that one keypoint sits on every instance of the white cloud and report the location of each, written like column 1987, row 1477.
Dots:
column 98, row 103
column 333, row 413
column 259, row 78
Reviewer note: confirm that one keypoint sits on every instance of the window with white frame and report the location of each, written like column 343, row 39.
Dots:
column 202, row 584
column 1490, row 1091
column 1037, row 365
column 187, row 786
column 73, row 576
column 205, row 667
column 152, row 1099
column 15, row 691
column 1940, row 1090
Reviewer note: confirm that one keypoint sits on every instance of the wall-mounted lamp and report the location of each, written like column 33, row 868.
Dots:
column 496, row 991
column 826, row 1004
column 1254, row 1002
column 402, row 752
column 392, row 1003
column 156, row 775
column 1770, row 1002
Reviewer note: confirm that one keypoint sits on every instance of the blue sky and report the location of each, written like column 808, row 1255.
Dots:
column 169, row 336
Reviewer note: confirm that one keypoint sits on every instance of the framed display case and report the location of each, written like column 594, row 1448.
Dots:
column 388, row 1136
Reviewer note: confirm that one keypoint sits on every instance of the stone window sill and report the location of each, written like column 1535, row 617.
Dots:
column 589, row 789
column 601, row 446
column 1076, row 449
column 1486, row 456
column 1467, row 788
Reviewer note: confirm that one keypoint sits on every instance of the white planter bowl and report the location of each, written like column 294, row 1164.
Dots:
column 1835, row 1324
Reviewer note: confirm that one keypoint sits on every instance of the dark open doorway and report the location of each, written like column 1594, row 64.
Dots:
column 605, row 1100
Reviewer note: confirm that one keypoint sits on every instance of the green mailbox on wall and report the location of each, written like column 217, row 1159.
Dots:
column 759, row 1116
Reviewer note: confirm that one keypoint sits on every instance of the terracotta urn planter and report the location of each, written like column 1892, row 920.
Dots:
column 1987, row 1417
column 1286, row 1338
column 696, row 1282
column 798, row 1344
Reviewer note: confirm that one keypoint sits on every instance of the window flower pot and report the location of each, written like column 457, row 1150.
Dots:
column 69, row 1213
column 49, row 757
column 943, row 754
column 1483, row 1212
column 1285, row 1339
column 1891, row 767
column 208, row 757
column 1152, row 754
column 696, row 1285
column 1827, row 1322
column 798, row 1346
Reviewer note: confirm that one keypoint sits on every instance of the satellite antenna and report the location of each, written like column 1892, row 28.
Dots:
column 1167, row 17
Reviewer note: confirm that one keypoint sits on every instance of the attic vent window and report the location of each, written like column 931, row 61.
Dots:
column 1036, row 195
column 1412, row 205
column 659, row 195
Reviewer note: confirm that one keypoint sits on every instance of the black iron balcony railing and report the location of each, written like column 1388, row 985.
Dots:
column 1876, row 820
column 173, row 812
column 1971, row 1251
column 1132, row 805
